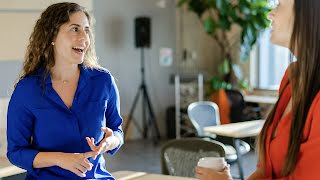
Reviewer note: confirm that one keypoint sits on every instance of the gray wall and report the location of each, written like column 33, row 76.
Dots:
column 9, row 71
column 116, row 51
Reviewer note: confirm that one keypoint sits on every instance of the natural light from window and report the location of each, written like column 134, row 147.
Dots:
column 268, row 64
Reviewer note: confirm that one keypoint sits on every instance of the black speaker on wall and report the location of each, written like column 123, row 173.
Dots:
column 142, row 31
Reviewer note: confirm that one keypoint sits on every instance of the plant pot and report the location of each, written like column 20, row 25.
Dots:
column 221, row 99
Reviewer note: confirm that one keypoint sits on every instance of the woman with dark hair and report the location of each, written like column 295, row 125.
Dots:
column 64, row 111
column 289, row 143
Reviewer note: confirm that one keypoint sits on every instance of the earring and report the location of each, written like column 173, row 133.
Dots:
column 52, row 43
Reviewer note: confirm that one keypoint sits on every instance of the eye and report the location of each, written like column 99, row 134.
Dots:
column 75, row 29
column 87, row 31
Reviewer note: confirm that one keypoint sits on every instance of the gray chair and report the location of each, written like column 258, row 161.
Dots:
column 179, row 157
column 206, row 113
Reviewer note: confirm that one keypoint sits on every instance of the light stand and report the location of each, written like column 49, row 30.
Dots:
column 146, row 107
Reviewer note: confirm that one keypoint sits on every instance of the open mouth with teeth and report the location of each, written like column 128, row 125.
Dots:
column 78, row 49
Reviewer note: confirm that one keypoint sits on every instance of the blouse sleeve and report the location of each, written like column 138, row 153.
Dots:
column 113, row 117
column 19, row 133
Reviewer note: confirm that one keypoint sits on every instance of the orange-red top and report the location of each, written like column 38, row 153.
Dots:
column 308, row 164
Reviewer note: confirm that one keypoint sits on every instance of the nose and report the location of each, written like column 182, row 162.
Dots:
column 271, row 14
column 83, row 36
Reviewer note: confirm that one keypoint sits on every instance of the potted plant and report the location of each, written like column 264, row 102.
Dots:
column 218, row 17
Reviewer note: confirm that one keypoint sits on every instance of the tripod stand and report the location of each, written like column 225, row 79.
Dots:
column 146, row 105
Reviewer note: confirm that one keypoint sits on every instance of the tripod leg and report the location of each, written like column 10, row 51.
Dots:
column 131, row 114
column 152, row 116
column 144, row 119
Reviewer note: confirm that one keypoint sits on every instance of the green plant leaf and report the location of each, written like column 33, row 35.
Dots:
column 250, row 15
column 229, row 86
column 182, row 2
column 199, row 7
column 224, row 23
column 216, row 83
column 243, row 84
column 233, row 14
column 244, row 7
column 224, row 68
column 209, row 25
column 219, row 4
column 212, row 3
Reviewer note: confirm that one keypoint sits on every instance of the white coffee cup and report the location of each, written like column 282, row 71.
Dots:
column 216, row 163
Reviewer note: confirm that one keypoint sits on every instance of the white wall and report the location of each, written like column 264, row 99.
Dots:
column 17, row 21
column 116, row 51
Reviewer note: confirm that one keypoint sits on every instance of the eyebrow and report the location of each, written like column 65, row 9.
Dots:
column 78, row 25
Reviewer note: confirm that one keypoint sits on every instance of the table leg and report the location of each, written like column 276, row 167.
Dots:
column 236, row 143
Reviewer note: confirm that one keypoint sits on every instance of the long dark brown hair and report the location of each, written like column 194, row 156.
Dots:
column 304, row 78
column 40, row 53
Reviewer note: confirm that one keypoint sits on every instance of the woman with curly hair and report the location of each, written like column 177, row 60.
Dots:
column 64, row 111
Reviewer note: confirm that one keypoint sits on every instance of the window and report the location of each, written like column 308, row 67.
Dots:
column 268, row 63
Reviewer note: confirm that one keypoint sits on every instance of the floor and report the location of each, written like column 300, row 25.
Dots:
column 142, row 155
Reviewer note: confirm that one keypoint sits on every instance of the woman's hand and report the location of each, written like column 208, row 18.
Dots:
column 210, row 174
column 109, row 142
column 77, row 163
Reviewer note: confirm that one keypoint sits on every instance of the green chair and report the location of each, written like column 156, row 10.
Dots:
column 179, row 157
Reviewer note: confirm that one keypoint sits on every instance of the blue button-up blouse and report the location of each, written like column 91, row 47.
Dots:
column 39, row 121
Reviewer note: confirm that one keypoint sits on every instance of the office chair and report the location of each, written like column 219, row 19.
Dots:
column 206, row 113
column 241, row 110
column 179, row 157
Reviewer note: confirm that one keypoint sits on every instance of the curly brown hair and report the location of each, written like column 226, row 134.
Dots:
column 40, row 52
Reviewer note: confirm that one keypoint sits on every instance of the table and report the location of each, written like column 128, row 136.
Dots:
column 128, row 175
column 261, row 99
column 266, row 102
column 237, row 131
column 7, row 169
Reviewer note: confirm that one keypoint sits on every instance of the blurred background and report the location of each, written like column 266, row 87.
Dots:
column 191, row 51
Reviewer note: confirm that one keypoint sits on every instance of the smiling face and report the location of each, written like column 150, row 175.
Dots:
column 72, row 40
column 282, row 17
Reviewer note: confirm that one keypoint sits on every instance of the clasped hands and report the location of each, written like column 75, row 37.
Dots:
column 78, row 163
